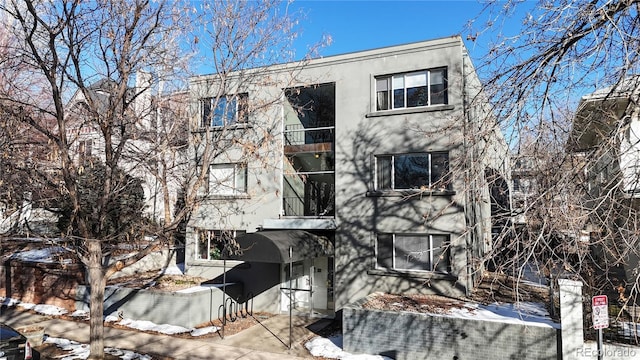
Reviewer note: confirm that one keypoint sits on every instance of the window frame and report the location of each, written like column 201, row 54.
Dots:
column 444, row 178
column 434, row 261
column 387, row 97
column 218, row 120
column 211, row 234
column 240, row 173
column 85, row 148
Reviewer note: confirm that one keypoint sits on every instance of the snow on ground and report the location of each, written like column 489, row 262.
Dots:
column 525, row 313
column 144, row 325
column 81, row 351
column 80, row 314
column 9, row 302
column 46, row 255
column 43, row 309
column 331, row 348
column 174, row 270
column 204, row 331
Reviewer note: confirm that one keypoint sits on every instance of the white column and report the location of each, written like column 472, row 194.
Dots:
column 571, row 318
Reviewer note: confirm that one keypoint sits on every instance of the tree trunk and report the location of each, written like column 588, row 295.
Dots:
column 97, row 284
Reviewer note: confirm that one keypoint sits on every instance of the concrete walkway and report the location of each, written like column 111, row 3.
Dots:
column 265, row 341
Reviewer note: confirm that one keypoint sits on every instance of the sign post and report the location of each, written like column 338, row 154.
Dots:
column 600, row 311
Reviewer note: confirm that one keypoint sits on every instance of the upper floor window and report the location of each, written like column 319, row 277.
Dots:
column 227, row 179
column 417, row 252
column 418, row 171
column 85, row 148
column 413, row 89
column 224, row 110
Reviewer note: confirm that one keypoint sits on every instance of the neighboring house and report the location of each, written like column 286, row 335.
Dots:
column 364, row 171
column 605, row 136
column 156, row 151
column 608, row 122
column 24, row 152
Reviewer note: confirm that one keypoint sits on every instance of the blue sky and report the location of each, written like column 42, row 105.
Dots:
column 356, row 25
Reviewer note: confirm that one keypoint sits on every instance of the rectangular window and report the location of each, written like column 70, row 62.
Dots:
column 85, row 148
column 225, row 110
column 415, row 252
column 414, row 89
column 420, row 171
column 212, row 243
column 227, row 179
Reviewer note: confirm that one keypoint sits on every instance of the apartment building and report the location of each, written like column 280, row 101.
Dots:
column 342, row 176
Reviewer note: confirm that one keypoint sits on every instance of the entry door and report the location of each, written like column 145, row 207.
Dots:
column 299, row 287
column 311, row 287
column 321, row 283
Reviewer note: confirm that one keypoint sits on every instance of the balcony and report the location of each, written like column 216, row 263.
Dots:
column 309, row 172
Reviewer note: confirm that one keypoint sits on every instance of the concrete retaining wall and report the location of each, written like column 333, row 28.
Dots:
column 186, row 308
column 405, row 335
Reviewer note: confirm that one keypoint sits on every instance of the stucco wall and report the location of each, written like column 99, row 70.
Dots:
column 187, row 309
column 360, row 133
column 261, row 281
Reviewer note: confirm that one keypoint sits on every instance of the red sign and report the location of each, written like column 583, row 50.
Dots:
column 599, row 305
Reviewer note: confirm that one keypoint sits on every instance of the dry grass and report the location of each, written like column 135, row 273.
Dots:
column 493, row 288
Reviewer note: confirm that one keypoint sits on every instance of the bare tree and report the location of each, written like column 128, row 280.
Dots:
column 577, row 55
column 65, row 48
column 99, row 52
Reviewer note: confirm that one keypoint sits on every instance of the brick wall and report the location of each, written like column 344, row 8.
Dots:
column 41, row 283
column 404, row 335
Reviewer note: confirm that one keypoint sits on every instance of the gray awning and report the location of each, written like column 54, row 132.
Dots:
column 272, row 246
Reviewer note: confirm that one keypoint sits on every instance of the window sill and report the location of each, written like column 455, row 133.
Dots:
column 221, row 128
column 409, row 193
column 413, row 110
column 413, row 274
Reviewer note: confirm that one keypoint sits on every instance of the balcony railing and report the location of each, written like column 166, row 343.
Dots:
column 297, row 134
column 314, row 197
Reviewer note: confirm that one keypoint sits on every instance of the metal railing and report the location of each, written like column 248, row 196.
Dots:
column 297, row 134
column 624, row 325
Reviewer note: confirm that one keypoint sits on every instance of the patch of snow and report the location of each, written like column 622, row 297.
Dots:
column 81, row 351
column 629, row 329
column 41, row 255
column 9, row 302
column 44, row 309
column 112, row 318
column 204, row 331
column 80, row 314
column 331, row 348
column 525, row 313
column 149, row 326
column 201, row 287
column 172, row 270
column 194, row 289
